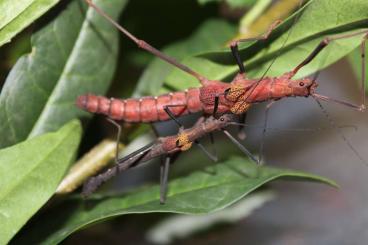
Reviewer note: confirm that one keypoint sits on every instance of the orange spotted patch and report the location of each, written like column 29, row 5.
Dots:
column 235, row 91
column 184, row 142
column 239, row 107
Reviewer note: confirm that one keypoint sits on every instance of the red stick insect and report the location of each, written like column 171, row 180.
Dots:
column 234, row 97
column 221, row 97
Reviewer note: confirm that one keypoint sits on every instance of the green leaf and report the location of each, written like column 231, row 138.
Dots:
column 29, row 174
column 40, row 91
column 318, row 20
column 211, row 35
column 232, row 3
column 180, row 226
column 17, row 15
column 199, row 193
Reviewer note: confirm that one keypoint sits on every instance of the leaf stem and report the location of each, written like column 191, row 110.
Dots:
column 90, row 164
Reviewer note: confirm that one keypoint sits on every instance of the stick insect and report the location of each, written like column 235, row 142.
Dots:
column 170, row 147
column 234, row 97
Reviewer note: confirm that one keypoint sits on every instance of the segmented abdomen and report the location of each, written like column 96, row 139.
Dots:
column 145, row 109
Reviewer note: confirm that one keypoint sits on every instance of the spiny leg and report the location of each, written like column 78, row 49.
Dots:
column 235, row 49
column 142, row 44
column 319, row 48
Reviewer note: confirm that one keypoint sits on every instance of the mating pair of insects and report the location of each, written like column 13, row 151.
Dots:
column 220, row 102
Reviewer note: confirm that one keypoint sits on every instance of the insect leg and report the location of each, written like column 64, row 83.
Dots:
column 117, row 138
column 164, row 172
column 319, row 48
column 215, row 105
column 211, row 156
column 240, row 146
column 235, row 50
column 166, row 161
column 212, row 140
column 142, row 44
column 207, row 153
column 171, row 114
column 324, row 44
column 242, row 119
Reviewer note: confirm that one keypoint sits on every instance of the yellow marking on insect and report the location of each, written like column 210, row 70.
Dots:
column 183, row 142
column 239, row 107
column 235, row 91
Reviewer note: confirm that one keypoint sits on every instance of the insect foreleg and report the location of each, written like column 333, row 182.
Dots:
column 235, row 50
column 319, row 48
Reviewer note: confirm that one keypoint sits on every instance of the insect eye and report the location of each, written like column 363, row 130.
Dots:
column 301, row 84
column 222, row 119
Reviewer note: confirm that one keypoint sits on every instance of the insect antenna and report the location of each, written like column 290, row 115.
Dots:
column 290, row 129
column 342, row 135
column 341, row 102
